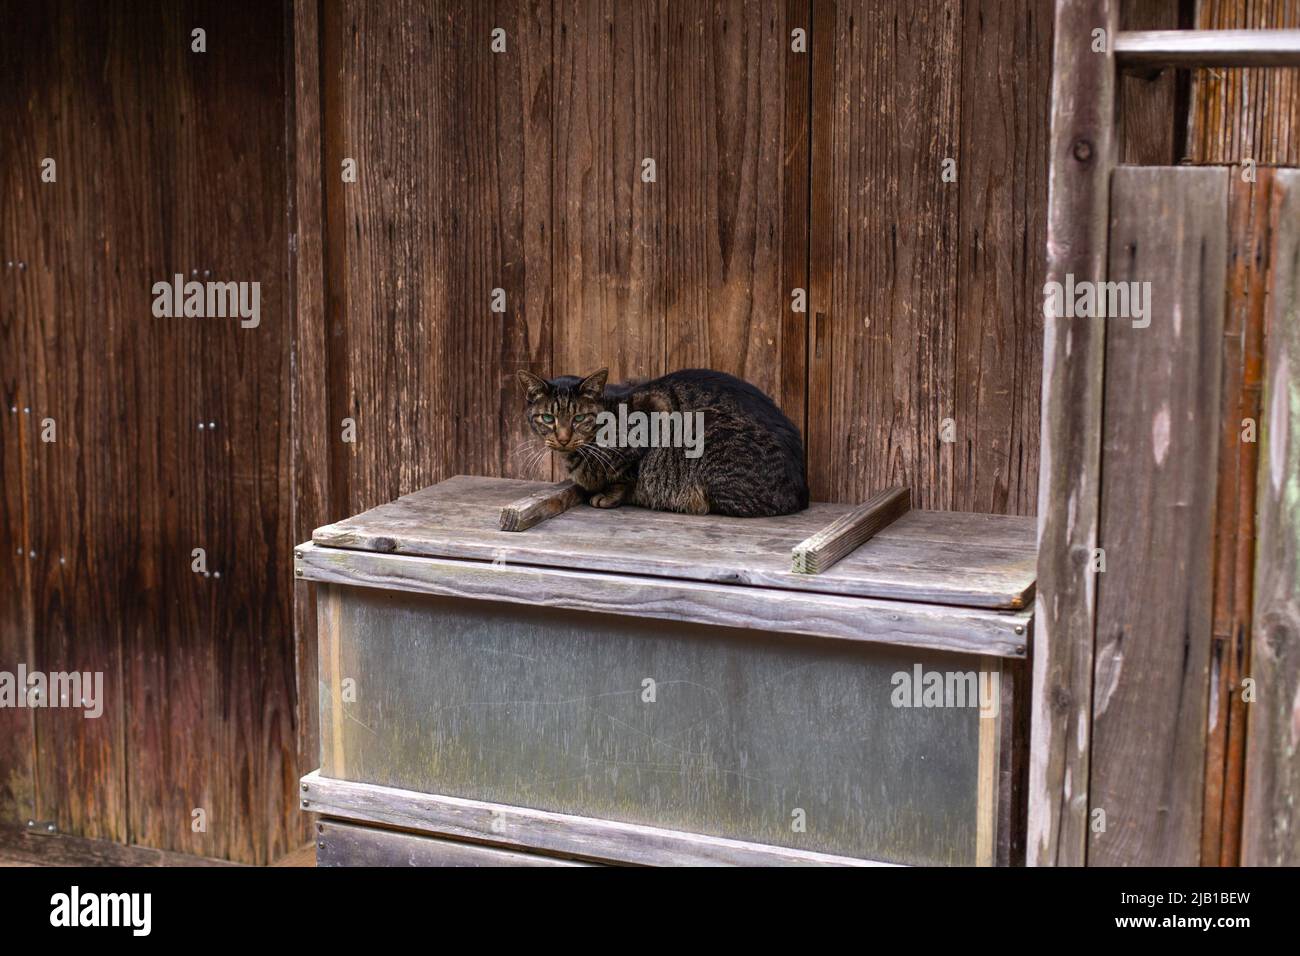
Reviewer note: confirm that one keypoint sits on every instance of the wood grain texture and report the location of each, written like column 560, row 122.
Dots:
column 1239, row 114
column 936, row 557
column 532, row 509
column 734, row 251
column 452, row 200
column 1002, row 221
column 1151, row 126
column 1249, row 229
column 604, row 840
column 157, row 175
column 905, row 623
column 1082, row 154
column 610, row 62
column 892, row 306
column 20, row 137
column 818, row 552
column 1271, row 832
column 311, row 432
column 346, row 844
column 1159, row 462
column 21, row 847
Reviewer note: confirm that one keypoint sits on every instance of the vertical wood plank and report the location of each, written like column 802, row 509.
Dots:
column 1271, row 830
column 1081, row 155
column 1159, row 457
column 821, row 248
column 733, row 165
column 20, row 144
column 168, row 161
column 1002, row 188
column 893, row 224
column 610, row 114
column 451, row 202
column 1248, row 231
column 312, row 436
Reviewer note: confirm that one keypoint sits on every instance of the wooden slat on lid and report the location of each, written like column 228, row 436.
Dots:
column 953, row 558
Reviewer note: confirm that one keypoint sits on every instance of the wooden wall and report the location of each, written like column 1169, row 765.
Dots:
column 168, row 161
column 775, row 170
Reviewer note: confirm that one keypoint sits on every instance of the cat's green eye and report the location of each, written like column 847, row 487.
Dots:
column 549, row 419
column 580, row 418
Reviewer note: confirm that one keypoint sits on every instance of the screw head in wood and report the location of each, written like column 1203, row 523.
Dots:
column 1082, row 150
column 1020, row 629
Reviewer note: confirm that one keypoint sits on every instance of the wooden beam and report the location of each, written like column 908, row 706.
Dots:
column 902, row 623
column 27, row 846
column 1271, row 821
column 535, row 508
column 1188, row 49
column 1082, row 155
column 544, row 831
column 842, row 536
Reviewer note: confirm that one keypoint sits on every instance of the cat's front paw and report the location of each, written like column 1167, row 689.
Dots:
column 605, row 500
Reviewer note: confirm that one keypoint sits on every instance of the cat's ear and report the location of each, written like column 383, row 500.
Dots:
column 593, row 386
column 534, row 385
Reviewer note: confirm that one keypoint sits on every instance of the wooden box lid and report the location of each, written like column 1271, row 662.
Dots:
column 936, row 557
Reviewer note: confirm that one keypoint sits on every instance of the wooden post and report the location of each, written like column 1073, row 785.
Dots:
column 1082, row 156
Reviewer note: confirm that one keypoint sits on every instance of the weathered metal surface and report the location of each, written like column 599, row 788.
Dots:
column 722, row 731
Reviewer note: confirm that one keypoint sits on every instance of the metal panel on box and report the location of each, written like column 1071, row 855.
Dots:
column 736, row 733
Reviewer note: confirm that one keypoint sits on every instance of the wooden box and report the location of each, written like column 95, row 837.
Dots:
column 631, row 686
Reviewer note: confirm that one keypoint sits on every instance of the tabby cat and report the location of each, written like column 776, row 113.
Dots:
column 695, row 441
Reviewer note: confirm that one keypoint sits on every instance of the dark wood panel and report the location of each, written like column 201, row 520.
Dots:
column 609, row 255
column 170, row 161
column 19, row 144
column 1005, row 87
column 1159, row 458
column 736, row 179
column 1151, row 123
column 890, row 335
column 19, row 846
column 312, row 436
column 1271, row 832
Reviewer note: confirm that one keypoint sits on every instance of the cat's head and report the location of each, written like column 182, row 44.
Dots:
column 562, row 411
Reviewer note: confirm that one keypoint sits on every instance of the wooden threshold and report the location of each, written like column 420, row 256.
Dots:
column 20, row 846
column 541, row 830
